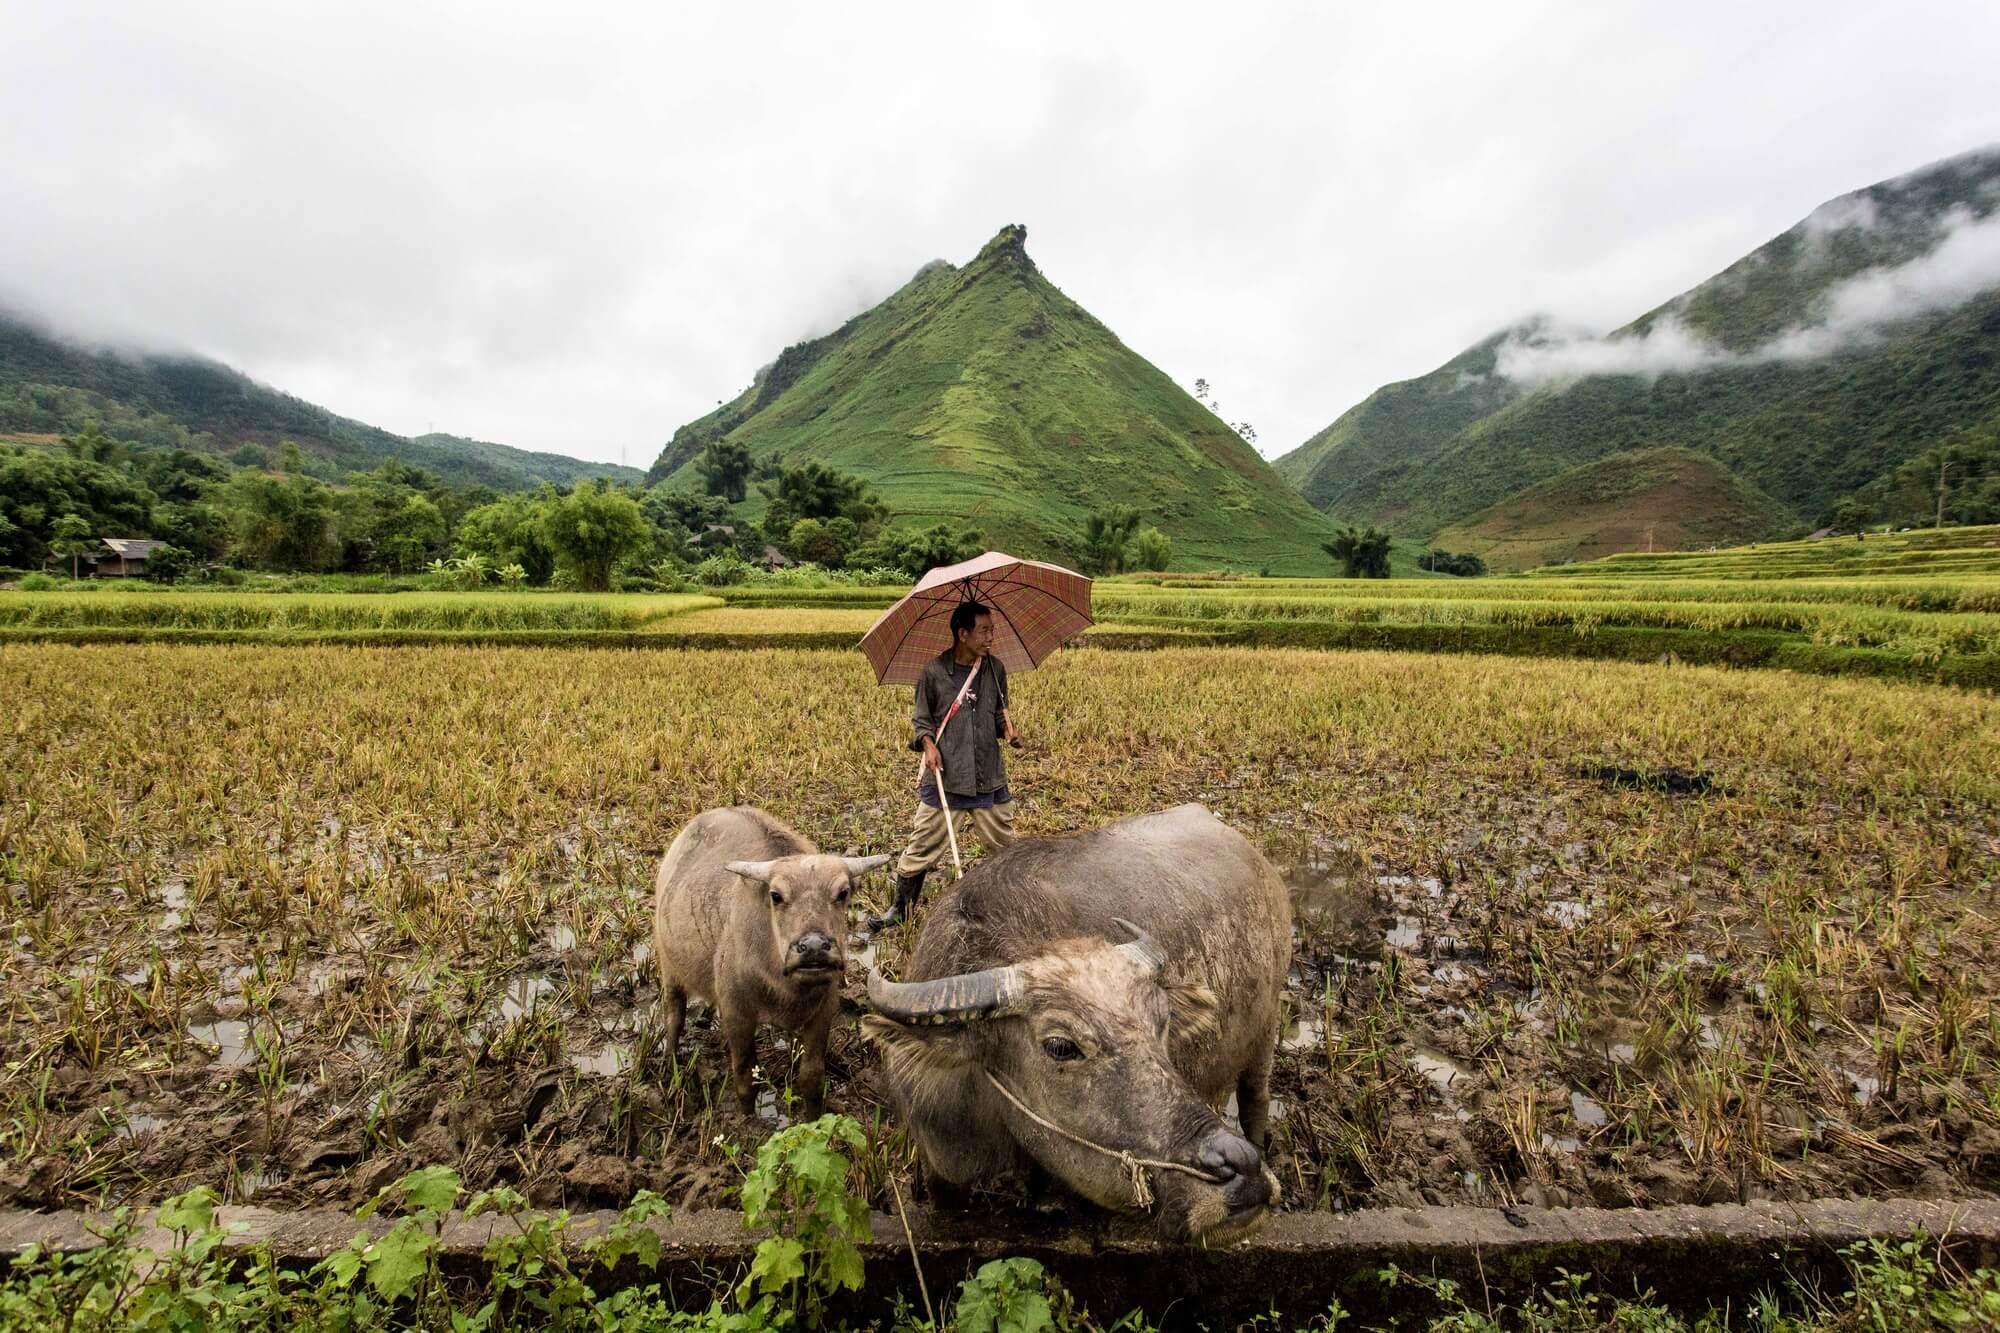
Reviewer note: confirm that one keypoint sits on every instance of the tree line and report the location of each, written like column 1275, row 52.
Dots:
column 1955, row 482
column 261, row 510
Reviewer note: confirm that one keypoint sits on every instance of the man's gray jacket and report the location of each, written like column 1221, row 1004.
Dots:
column 971, row 744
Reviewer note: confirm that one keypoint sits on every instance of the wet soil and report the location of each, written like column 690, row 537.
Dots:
column 1501, row 1018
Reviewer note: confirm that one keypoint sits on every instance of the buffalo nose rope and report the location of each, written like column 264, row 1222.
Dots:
column 1135, row 1167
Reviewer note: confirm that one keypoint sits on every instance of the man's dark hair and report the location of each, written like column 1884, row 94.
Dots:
column 964, row 614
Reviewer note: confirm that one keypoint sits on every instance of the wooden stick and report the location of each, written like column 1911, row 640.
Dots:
column 944, row 806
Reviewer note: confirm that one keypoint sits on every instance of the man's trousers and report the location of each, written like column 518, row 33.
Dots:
column 928, row 841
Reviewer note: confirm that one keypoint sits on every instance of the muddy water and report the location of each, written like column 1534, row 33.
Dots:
column 231, row 1037
column 608, row 1062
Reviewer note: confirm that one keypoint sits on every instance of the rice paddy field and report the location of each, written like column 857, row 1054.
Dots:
column 290, row 919
column 164, row 610
column 1913, row 606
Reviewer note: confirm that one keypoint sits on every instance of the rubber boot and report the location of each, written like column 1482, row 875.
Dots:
column 907, row 889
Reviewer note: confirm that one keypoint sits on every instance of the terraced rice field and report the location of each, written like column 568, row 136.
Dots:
column 291, row 920
column 1915, row 607
column 443, row 611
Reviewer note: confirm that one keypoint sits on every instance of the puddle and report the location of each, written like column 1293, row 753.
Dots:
column 232, row 1035
column 522, row 995
column 1306, row 1031
column 1560, row 1143
column 1438, row 1068
column 1566, row 912
column 1433, row 887
column 767, row 1108
column 607, row 1063
column 1587, row 1112
column 1863, row 1088
column 135, row 1125
column 1451, row 974
column 1407, row 933
column 1233, row 1114
column 560, row 937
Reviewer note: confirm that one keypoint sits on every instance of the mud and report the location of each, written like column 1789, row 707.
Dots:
column 1507, row 1022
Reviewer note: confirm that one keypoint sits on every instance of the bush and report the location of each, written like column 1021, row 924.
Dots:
column 169, row 564
column 719, row 571
column 1149, row 549
column 38, row 583
column 1465, row 565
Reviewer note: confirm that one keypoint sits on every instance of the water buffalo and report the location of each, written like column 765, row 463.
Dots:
column 1088, row 1004
column 748, row 915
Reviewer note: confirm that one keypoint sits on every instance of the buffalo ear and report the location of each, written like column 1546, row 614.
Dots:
column 1196, row 1014
column 927, row 1062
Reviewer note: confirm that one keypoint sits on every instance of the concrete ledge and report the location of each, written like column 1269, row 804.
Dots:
column 1688, row 1257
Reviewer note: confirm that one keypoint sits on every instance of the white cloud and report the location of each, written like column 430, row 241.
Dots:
column 1557, row 355
column 1854, row 312
column 577, row 226
column 1965, row 263
column 1842, row 214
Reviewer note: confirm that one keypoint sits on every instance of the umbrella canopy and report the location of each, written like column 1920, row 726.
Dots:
column 1037, row 608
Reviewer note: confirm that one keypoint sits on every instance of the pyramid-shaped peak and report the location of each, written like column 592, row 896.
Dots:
column 1011, row 240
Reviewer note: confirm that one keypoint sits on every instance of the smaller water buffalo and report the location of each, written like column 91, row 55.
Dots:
column 750, row 916
column 1086, row 1006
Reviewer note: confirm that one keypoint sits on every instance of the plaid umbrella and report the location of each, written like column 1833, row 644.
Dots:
column 1037, row 608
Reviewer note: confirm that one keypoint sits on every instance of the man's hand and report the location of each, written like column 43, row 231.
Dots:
column 1011, row 735
column 932, row 759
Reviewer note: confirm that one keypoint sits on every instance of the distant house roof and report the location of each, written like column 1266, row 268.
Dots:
column 1823, row 532
column 773, row 556
column 130, row 548
column 698, row 538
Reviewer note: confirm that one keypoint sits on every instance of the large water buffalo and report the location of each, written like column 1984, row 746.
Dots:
column 1088, row 1004
column 749, row 915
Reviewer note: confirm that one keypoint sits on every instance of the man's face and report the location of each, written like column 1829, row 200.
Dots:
column 979, row 638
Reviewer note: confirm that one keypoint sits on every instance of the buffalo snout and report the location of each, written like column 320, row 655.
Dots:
column 814, row 951
column 1239, row 1168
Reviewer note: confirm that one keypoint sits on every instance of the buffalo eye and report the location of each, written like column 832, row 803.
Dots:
column 777, row 899
column 840, row 897
column 1061, row 1049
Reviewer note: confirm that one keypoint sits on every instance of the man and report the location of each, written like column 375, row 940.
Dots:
column 967, row 753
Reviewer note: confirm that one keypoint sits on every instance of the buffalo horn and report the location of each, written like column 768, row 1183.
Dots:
column 959, row 999
column 1142, row 948
column 857, row 866
column 757, row 870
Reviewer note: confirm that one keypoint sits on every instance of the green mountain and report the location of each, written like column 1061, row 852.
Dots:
column 982, row 395
column 1810, row 367
column 1664, row 499
column 49, row 386
column 533, row 465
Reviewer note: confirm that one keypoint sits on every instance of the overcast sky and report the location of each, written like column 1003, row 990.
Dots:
column 574, row 227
